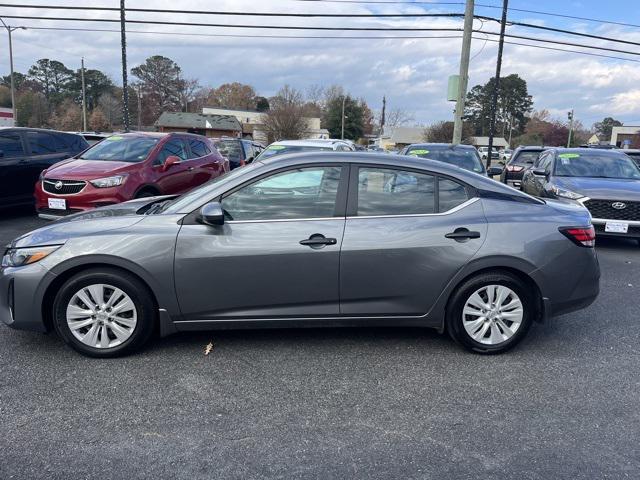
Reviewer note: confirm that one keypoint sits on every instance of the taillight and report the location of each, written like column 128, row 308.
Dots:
column 242, row 163
column 583, row 236
column 514, row 168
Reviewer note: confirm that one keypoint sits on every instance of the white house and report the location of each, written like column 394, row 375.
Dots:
column 621, row 136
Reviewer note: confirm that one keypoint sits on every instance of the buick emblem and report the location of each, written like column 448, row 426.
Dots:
column 616, row 205
column 58, row 186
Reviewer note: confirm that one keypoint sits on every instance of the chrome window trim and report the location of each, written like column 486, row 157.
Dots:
column 311, row 219
column 440, row 214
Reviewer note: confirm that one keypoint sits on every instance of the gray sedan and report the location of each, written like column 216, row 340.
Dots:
column 307, row 239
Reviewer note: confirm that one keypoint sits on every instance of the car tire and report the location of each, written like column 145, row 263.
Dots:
column 119, row 323
column 477, row 325
column 145, row 194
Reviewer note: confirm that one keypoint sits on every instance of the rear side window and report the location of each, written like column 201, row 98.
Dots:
column 41, row 143
column 384, row 191
column 198, row 148
column 450, row 194
column 11, row 145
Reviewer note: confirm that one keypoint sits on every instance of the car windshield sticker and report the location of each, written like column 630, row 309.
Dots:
column 114, row 137
column 418, row 152
column 276, row 147
column 569, row 155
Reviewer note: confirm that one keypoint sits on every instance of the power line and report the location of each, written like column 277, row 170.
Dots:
column 326, row 37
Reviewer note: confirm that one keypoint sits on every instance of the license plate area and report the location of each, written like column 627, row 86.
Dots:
column 616, row 227
column 57, row 203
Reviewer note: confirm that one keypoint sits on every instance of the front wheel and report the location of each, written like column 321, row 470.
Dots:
column 104, row 313
column 490, row 313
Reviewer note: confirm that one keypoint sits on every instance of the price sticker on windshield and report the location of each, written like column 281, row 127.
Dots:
column 418, row 152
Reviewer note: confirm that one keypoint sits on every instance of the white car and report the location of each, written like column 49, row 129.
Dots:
column 505, row 155
column 291, row 146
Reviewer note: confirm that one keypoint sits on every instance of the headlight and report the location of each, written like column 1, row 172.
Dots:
column 17, row 257
column 564, row 193
column 108, row 181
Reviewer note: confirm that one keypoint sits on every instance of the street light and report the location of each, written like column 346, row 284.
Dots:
column 13, row 89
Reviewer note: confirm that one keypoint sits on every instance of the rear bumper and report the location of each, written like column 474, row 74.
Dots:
column 21, row 294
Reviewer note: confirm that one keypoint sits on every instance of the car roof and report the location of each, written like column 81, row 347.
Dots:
column 459, row 146
column 309, row 143
column 44, row 130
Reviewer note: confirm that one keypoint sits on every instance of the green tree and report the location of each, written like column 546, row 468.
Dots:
column 52, row 78
column 353, row 117
column 603, row 129
column 20, row 81
column 161, row 86
column 96, row 83
column 262, row 104
column 33, row 108
column 514, row 104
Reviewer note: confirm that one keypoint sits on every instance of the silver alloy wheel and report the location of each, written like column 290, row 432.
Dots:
column 101, row 316
column 492, row 314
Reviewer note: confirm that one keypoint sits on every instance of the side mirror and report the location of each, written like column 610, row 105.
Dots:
column 211, row 214
column 539, row 172
column 169, row 162
column 494, row 171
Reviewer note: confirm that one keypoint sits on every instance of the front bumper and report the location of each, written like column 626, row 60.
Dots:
column 633, row 230
column 22, row 291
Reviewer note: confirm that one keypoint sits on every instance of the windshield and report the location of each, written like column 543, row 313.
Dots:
column 273, row 150
column 527, row 156
column 230, row 149
column 121, row 149
column 467, row 158
column 596, row 165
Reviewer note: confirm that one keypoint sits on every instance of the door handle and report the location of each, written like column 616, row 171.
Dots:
column 462, row 234
column 318, row 240
column 190, row 169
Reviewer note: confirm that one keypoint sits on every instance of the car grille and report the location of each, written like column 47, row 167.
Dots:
column 58, row 213
column 67, row 187
column 604, row 209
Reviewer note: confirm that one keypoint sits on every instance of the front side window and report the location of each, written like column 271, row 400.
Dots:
column 294, row 194
column 11, row 145
column 174, row 147
column 384, row 191
column 121, row 149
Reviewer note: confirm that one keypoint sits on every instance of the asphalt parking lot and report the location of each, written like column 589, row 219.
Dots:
column 334, row 403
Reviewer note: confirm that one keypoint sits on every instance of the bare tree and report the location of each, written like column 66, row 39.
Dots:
column 111, row 108
column 285, row 119
column 397, row 117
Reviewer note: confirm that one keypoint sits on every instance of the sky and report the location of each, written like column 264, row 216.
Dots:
column 411, row 73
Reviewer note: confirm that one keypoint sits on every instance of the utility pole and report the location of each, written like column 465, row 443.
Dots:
column 464, row 72
column 139, row 107
column 84, row 98
column 570, row 116
column 10, row 29
column 344, row 99
column 496, row 89
column 125, row 86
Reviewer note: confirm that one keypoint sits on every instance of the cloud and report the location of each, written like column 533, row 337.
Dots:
column 412, row 73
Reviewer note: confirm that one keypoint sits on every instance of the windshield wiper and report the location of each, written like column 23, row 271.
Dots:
column 158, row 207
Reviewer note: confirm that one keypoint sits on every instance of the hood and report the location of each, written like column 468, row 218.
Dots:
column 78, row 169
column 96, row 221
column 602, row 188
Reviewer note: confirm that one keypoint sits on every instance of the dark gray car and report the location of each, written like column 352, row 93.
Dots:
column 307, row 239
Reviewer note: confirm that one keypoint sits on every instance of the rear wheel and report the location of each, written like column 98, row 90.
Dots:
column 104, row 313
column 490, row 313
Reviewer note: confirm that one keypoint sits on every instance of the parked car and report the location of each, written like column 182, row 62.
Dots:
column 505, row 154
column 463, row 156
column 94, row 137
column 315, row 239
column 522, row 159
column 127, row 166
column 484, row 151
column 634, row 154
column 606, row 182
column 238, row 151
column 24, row 153
column 296, row 146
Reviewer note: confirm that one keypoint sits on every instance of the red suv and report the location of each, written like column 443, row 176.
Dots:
column 127, row 166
